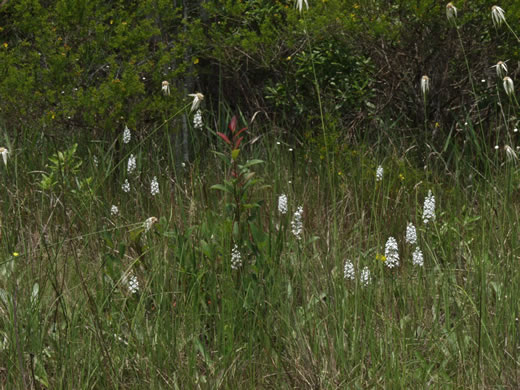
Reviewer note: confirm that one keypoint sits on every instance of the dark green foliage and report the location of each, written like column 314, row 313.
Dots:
column 97, row 65
column 87, row 64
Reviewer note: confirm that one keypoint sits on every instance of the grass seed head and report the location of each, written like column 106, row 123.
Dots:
column 498, row 15
column 509, row 86
column 451, row 12
column 425, row 85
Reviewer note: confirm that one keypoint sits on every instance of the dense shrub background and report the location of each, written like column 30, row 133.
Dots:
column 96, row 65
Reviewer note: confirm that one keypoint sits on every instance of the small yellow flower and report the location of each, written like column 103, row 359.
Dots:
column 288, row 58
column 380, row 257
column 437, row 125
column 16, row 254
column 196, row 61
column 5, row 44
column 401, row 177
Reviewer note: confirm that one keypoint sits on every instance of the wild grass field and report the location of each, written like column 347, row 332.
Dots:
column 266, row 260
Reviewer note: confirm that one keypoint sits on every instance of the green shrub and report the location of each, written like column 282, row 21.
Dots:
column 97, row 65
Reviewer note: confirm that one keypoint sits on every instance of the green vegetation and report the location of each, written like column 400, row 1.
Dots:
column 326, row 218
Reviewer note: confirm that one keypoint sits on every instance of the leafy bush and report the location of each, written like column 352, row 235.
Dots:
column 98, row 65
column 90, row 65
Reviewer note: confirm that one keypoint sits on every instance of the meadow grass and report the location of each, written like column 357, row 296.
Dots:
column 155, row 273
column 286, row 318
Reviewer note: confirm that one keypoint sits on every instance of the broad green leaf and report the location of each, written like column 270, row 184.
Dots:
column 221, row 187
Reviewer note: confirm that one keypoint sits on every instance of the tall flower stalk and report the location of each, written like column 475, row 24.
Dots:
column 453, row 20
column 330, row 165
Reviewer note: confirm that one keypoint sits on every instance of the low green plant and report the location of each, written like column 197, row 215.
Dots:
column 63, row 175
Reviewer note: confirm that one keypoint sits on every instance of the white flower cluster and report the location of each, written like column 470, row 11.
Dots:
column 411, row 234
column 114, row 210
column 297, row 224
column 127, row 136
column 417, row 257
column 197, row 120
column 411, row 238
column 131, row 164
column 95, row 161
column 126, row 186
column 348, row 270
column 132, row 284
column 429, row 208
column 365, row 277
column 149, row 223
column 236, row 258
column 391, row 253
column 379, row 173
column 349, row 273
column 154, row 187
column 282, row 204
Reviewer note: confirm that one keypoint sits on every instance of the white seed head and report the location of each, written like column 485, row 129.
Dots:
column 498, row 15
column 501, row 69
column 510, row 153
column 149, row 223
column 391, row 253
column 451, row 11
column 165, row 88
column 509, row 86
column 4, row 152
column 348, row 270
column 197, row 99
column 425, row 85
column 299, row 4
column 282, row 204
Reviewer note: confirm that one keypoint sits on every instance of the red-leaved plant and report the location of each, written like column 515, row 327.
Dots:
column 241, row 178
